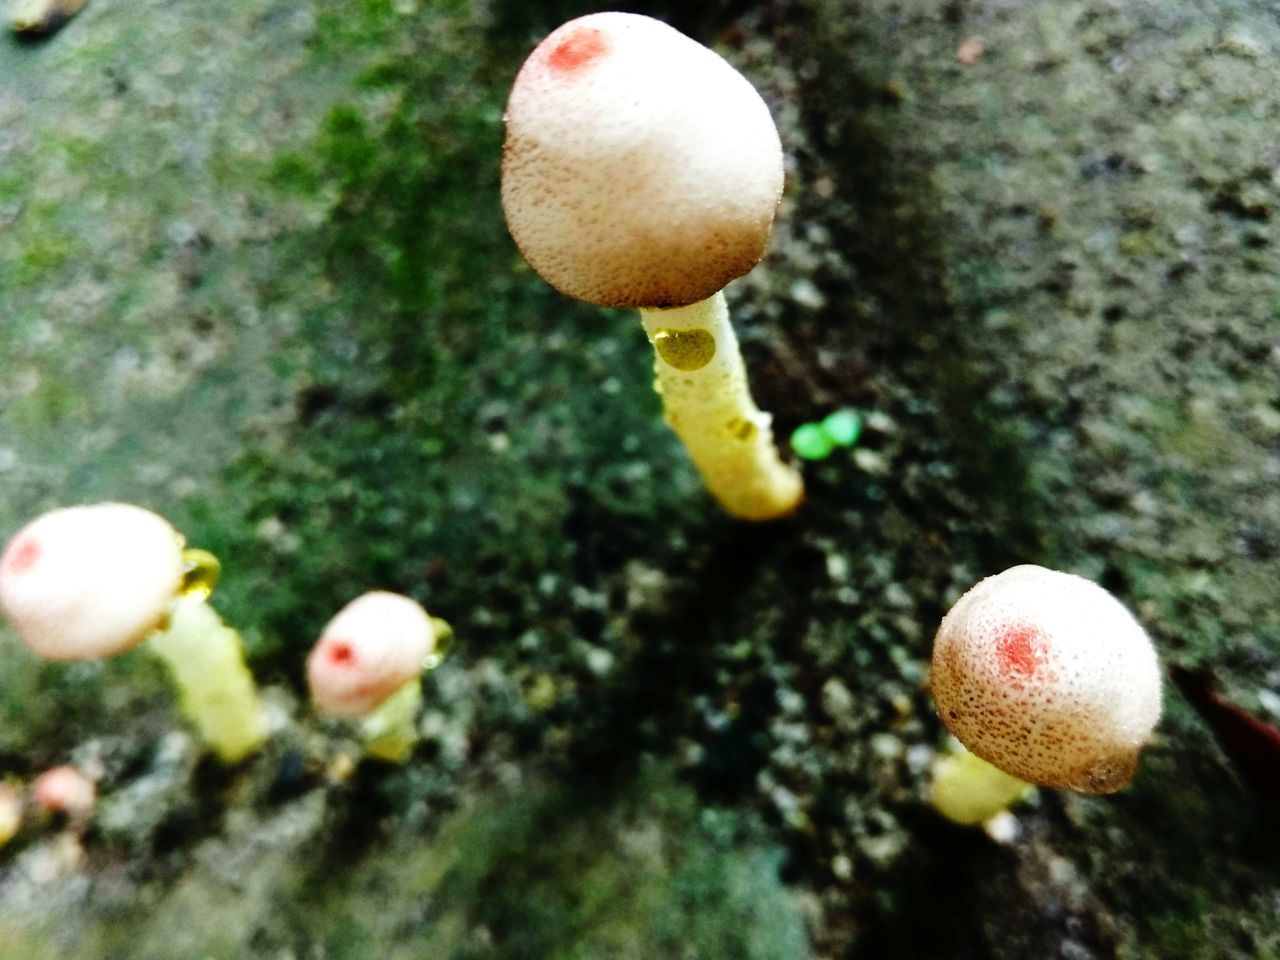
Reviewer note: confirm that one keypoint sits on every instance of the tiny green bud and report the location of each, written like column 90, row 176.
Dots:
column 811, row 442
column 843, row 427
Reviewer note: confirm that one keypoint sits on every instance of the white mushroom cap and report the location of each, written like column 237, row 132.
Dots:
column 375, row 645
column 66, row 790
column 640, row 168
column 1048, row 677
column 86, row 582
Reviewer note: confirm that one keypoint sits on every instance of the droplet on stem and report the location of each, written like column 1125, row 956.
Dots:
column 201, row 571
column 685, row 349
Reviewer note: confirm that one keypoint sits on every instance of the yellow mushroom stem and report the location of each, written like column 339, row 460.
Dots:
column 10, row 812
column 968, row 790
column 215, row 688
column 390, row 731
column 703, row 384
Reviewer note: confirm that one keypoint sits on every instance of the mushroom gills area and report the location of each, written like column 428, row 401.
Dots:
column 703, row 384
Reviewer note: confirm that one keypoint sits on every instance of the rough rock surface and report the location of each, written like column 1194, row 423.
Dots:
column 253, row 275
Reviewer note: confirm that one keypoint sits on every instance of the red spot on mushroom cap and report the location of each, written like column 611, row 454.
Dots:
column 578, row 50
column 341, row 653
column 22, row 556
column 1016, row 650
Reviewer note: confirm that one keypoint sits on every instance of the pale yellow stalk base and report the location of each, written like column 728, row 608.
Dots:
column 10, row 813
column 968, row 790
column 215, row 689
column 41, row 16
column 703, row 384
column 390, row 731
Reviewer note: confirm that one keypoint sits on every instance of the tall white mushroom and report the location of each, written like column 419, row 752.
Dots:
column 1047, row 677
column 87, row 582
column 642, row 170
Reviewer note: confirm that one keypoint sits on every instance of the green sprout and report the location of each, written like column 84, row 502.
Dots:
column 816, row 441
column 843, row 427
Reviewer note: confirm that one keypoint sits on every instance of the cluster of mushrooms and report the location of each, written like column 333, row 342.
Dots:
column 89, row 582
column 640, row 170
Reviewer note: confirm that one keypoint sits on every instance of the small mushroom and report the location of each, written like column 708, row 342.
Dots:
column 87, row 582
column 65, row 790
column 368, row 663
column 1049, row 678
column 642, row 170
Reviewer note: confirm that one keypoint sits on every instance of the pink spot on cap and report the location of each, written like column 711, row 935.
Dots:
column 64, row 789
column 341, row 653
column 1016, row 651
column 579, row 49
column 22, row 556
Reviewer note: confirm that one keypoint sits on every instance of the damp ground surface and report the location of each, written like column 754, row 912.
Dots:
column 253, row 275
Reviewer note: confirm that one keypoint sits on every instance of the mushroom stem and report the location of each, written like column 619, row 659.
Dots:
column 703, row 384
column 968, row 790
column 10, row 812
column 215, row 688
column 390, row 731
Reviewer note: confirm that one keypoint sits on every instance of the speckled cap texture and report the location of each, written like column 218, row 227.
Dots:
column 85, row 582
column 375, row 645
column 640, row 168
column 1048, row 677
